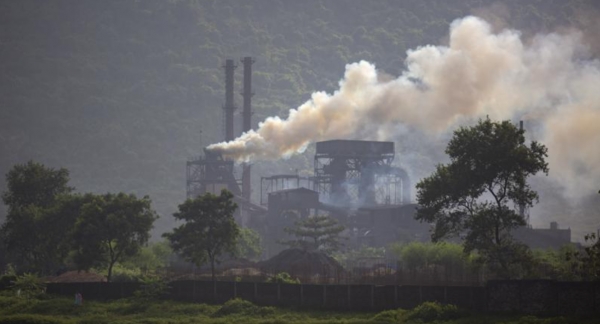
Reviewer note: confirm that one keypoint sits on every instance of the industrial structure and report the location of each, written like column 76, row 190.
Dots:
column 359, row 172
column 211, row 172
column 355, row 182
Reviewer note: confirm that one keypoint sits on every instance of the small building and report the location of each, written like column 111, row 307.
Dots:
column 543, row 238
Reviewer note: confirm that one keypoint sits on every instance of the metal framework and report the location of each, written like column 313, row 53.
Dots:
column 357, row 172
column 210, row 173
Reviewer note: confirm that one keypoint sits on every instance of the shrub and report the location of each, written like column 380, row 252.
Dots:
column 151, row 289
column 29, row 285
column 243, row 307
column 388, row 316
column 433, row 311
column 283, row 277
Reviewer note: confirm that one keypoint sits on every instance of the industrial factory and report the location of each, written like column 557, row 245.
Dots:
column 355, row 182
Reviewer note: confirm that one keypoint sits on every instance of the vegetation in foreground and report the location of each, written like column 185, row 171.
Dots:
column 49, row 310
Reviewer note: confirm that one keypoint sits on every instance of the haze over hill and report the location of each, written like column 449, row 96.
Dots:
column 122, row 93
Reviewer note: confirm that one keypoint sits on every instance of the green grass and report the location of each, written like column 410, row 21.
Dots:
column 57, row 310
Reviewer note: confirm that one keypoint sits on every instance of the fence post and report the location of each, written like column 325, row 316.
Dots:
column 214, row 290
column 372, row 296
column 255, row 291
column 278, row 292
column 396, row 296
column 324, row 295
column 445, row 294
column 194, row 290
column 301, row 294
column 234, row 289
column 349, row 297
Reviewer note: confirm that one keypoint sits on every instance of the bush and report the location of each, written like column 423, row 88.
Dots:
column 283, row 277
column 433, row 311
column 388, row 316
column 29, row 285
column 243, row 307
column 151, row 289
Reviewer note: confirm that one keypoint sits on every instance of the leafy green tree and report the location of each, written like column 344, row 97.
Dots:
column 110, row 227
column 316, row 233
column 209, row 230
column 150, row 258
column 588, row 258
column 249, row 244
column 558, row 264
column 474, row 193
column 34, row 184
column 37, row 220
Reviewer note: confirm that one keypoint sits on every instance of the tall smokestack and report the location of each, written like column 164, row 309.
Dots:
column 229, row 106
column 247, row 121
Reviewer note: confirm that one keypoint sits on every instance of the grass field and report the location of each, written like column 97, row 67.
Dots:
column 50, row 310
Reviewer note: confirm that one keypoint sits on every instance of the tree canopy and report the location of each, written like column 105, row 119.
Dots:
column 111, row 227
column 478, row 192
column 249, row 244
column 46, row 222
column 34, row 230
column 316, row 233
column 209, row 230
column 33, row 184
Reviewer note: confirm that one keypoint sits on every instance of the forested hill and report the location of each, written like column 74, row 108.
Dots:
column 118, row 92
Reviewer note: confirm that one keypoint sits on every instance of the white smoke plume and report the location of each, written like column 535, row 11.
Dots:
column 551, row 79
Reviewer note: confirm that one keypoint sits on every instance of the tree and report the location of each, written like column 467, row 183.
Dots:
column 249, row 244
column 150, row 259
column 474, row 193
column 34, row 230
column 110, row 227
column 34, row 184
column 209, row 230
column 316, row 233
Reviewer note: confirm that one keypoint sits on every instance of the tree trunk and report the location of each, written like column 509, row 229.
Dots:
column 110, row 267
column 212, row 268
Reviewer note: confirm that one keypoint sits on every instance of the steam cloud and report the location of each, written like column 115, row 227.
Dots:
column 550, row 79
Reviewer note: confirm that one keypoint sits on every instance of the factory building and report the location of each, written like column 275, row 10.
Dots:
column 355, row 182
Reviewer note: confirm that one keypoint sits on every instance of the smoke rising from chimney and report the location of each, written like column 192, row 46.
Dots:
column 550, row 78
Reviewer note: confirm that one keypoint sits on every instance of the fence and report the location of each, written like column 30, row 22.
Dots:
column 383, row 273
column 529, row 297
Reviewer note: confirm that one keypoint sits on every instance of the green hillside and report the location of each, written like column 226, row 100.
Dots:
column 121, row 93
